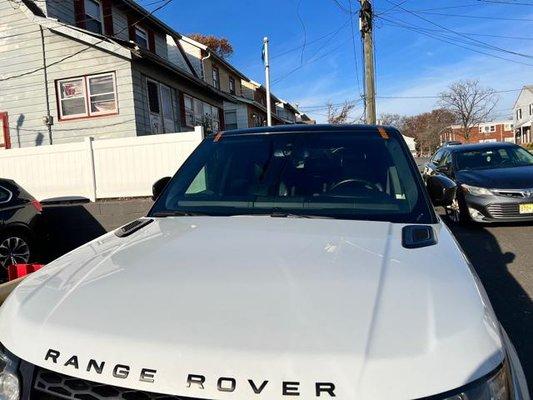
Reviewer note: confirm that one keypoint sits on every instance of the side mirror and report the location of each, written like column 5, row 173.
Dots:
column 159, row 186
column 441, row 190
column 444, row 168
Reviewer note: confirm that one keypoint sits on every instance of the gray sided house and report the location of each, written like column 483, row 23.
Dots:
column 523, row 116
column 71, row 69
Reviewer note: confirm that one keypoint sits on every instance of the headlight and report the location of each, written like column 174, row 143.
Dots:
column 495, row 387
column 476, row 191
column 9, row 381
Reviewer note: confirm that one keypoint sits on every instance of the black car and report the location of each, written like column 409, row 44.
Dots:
column 494, row 181
column 20, row 217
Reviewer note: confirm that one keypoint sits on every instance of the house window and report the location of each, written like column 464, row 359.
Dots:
column 231, row 85
column 198, row 112
column 189, row 110
column 492, row 128
column 216, row 77
column 153, row 97
column 87, row 96
column 161, row 107
column 519, row 114
column 93, row 16
column 531, row 109
column 141, row 37
column 230, row 120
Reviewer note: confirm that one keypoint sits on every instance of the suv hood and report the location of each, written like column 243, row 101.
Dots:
column 259, row 299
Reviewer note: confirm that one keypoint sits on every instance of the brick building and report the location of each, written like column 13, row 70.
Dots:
column 497, row 131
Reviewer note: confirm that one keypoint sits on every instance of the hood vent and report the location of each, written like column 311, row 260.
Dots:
column 415, row 236
column 132, row 227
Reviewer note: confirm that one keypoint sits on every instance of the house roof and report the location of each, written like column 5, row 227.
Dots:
column 115, row 46
column 214, row 55
column 524, row 88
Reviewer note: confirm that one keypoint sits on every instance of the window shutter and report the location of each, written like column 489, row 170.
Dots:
column 151, row 41
column 79, row 13
column 131, row 28
column 182, row 110
column 107, row 10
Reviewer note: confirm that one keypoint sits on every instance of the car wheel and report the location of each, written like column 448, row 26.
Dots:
column 458, row 211
column 15, row 248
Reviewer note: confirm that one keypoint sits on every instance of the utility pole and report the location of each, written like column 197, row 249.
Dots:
column 267, row 80
column 365, row 26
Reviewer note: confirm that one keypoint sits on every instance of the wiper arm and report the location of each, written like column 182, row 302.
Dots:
column 176, row 213
column 279, row 214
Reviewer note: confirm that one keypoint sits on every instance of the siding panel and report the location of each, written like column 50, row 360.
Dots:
column 24, row 97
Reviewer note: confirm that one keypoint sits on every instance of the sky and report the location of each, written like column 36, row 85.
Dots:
column 421, row 47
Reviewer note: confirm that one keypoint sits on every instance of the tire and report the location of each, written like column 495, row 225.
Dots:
column 15, row 248
column 458, row 211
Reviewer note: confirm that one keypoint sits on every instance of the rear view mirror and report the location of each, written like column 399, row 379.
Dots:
column 159, row 186
column 441, row 190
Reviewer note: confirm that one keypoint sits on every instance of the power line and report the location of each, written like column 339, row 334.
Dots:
column 279, row 79
column 474, row 34
column 413, row 97
column 499, row 18
column 463, row 36
column 505, row 2
column 452, row 41
column 166, row 2
column 304, row 30
column 309, row 42
column 16, row 128
column 59, row 24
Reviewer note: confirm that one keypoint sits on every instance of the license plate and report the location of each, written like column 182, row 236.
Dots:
column 526, row 208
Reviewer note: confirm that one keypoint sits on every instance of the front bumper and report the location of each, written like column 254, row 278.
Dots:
column 491, row 209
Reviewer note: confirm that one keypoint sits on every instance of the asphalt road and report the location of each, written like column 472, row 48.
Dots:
column 503, row 258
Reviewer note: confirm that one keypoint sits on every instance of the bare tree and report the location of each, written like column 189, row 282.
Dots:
column 470, row 103
column 219, row 45
column 395, row 120
column 340, row 115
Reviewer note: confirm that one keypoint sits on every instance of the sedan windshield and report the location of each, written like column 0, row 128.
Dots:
column 358, row 175
column 496, row 157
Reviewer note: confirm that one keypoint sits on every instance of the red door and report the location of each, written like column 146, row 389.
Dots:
column 5, row 140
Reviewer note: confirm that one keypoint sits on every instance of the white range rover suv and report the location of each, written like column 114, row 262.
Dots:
column 277, row 263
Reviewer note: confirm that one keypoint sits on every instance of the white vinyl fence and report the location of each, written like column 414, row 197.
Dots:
column 98, row 169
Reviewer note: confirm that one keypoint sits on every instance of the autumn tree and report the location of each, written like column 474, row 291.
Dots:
column 220, row 45
column 340, row 114
column 470, row 103
column 427, row 127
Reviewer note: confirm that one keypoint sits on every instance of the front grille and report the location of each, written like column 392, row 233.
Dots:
column 50, row 385
column 502, row 211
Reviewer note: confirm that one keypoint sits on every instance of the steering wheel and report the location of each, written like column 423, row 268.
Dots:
column 352, row 182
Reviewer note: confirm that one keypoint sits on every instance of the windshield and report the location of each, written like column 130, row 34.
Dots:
column 357, row 175
column 496, row 157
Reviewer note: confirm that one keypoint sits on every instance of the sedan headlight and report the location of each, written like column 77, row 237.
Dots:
column 476, row 191
column 9, row 381
column 495, row 387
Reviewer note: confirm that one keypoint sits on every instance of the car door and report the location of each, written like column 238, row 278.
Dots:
column 5, row 198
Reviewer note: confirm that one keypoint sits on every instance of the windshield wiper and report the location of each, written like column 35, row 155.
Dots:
column 177, row 213
column 280, row 214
